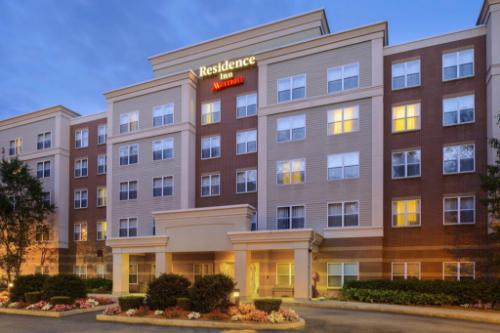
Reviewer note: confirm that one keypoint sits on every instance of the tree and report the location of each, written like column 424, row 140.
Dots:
column 22, row 209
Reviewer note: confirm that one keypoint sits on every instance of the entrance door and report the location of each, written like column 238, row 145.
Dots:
column 254, row 279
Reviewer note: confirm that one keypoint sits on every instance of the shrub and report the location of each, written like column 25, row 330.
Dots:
column 184, row 303
column 267, row 304
column 175, row 312
column 397, row 297
column 64, row 285
column 130, row 302
column 165, row 289
column 33, row 297
column 25, row 284
column 61, row 300
column 210, row 292
column 99, row 285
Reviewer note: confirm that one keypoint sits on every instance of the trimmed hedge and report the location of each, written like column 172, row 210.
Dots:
column 184, row 303
column 64, row 285
column 130, row 302
column 61, row 300
column 267, row 304
column 25, row 284
column 33, row 297
column 397, row 297
column 99, row 285
column 211, row 292
column 463, row 292
column 165, row 289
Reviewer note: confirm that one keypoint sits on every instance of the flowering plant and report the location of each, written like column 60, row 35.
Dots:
column 103, row 300
column 289, row 314
column 112, row 310
column 131, row 312
column 14, row 305
column 276, row 317
column 257, row 315
column 47, row 307
column 174, row 312
column 83, row 303
column 236, row 317
column 159, row 313
column 246, row 308
column 62, row 307
column 36, row 306
column 194, row 315
column 2, row 304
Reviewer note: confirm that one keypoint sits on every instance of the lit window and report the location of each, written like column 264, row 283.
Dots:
column 292, row 217
column 337, row 274
column 102, row 196
column 246, row 105
column 129, row 154
column 291, row 128
column 101, row 134
column 210, row 113
column 163, row 186
column 128, row 190
column 290, row 171
column 46, row 199
column 163, row 115
column 163, row 149
column 102, row 230
column 406, row 117
column 43, row 169
column 80, row 271
column 343, row 78
column 291, row 88
column 459, row 271
column 246, row 142
column 457, row 159
column 285, row 275
column 129, row 122
column 343, row 214
column 44, row 140
column 100, row 271
column 246, row 181
column 42, row 270
column 210, row 185
column 406, row 164
column 405, row 271
column 128, row 227
column 15, row 146
column 42, row 233
column 343, row 166
column 406, row 74
column 81, row 199
column 133, row 274
column 343, row 120
column 200, row 270
column 101, row 164
column 82, row 138
column 458, row 64
column 459, row 210
column 210, row 147
column 406, row 213
column 81, row 168
column 80, row 231
column 458, row 110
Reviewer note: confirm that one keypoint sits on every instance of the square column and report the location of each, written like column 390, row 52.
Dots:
column 302, row 287
column 120, row 273
column 163, row 262
column 242, row 260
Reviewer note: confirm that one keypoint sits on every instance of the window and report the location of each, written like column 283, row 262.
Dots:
column 43, row 169
column 102, row 230
column 80, row 271
column 246, row 142
column 163, row 115
column 406, row 74
column 46, row 199
column 406, row 213
column 133, row 274
column 42, row 233
column 128, row 190
column 101, row 164
column 285, row 275
column 457, row 159
column 101, row 134
column 343, row 78
column 405, row 270
column 82, row 138
column 246, row 181
column 15, row 146
column 292, row 217
column 406, row 164
column 163, row 186
column 339, row 273
column 100, row 271
column 343, row 166
column 291, row 128
column 246, row 105
column 291, row 88
column 459, row 271
column 129, row 154
column 343, row 120
column 43, row 270
column 129, row 122
column 406, row 117
column 163, row 149
column 291, row 172
column 128, row 227
column 210, row 185
column 80, row 231
column 81, row 168
column 458, row 64
column 343, row 214
column 102, row 196
column 254, row 225
column 459, row 210
column 44, row 140
column 210, row 147
column 200, row 270
column 81, row 198
column 210, row 113
column 458, row 110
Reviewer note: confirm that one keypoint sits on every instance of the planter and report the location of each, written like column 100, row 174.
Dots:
column 50, row 314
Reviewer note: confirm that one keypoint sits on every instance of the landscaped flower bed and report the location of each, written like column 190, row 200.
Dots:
column 81, row 303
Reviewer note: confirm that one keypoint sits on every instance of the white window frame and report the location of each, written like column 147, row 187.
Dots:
column 80, row 162
column 125, row 119
column 210, row 176
column 84, row 138
column 102, row 128
column 165, row 145
column 245, row 134
column 457, row 55
column 213, row 110
column 290, row 216
column 331, row 120
column 104, row 199
column 291, row 274
column 77, row 270
column 301, row 161
column 44, row 140
column 419, row 213
column 211, row 139
column 343, row 203
column 103, row 231
column 342, row 77
column 329, row 161
column 405, row 268
column 101, row 157
column 80, row 191
column 457, row 100
column 291, row 80
column 128, row 148
column 15, row 146
column 459, row 146
column 44, row 169
column 128, row 220
column 100, row 274
column 246, row 97
column 459, row 203
column 291, row 128
column 405, row 64
column 162, row 111
column 246, row 172
column 418, row 116
column 128, row 190
column 80, row 226
column 136, row 274
column 459, row 264
column 342, row 276
column 162, row 188
column 405, row 164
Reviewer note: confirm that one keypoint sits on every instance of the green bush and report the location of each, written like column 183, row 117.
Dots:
column 211, row 292
column 99, row 285
column 25, row 284
column 64, row 285
column 396, row 297
column 61, row 300
column 184, row 303
column 33, row 297
column 164, row 290
column 267, row 304
column 130, row 302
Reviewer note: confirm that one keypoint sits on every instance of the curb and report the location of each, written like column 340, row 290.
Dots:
column 200, row 323
column 50, row 314
column 470, row 315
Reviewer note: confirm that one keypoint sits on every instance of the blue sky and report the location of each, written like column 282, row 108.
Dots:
column 71, row 51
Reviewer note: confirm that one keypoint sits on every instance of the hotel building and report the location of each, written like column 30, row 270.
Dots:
column 286, row 156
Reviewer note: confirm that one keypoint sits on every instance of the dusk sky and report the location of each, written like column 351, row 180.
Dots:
column 72, row 51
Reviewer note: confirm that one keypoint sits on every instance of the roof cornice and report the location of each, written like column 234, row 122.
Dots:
column 483, row 13
column 38, row 114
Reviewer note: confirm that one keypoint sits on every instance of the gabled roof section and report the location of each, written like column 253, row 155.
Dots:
column 483, row 13
column 39, row 113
